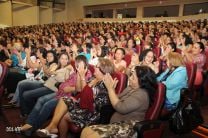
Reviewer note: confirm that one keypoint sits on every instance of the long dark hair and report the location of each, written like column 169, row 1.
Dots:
column 55, row 60
column 147, row 80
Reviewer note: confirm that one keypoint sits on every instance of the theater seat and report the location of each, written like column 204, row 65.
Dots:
column 3, row 73
column 122, row 81
column 154, row 110
column 139, row 49
column 127, row 58
column 157, row 51
column 106, row 111
column 191, row 72
column 151, row 127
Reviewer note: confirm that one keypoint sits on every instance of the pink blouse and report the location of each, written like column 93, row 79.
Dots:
column 71, row 81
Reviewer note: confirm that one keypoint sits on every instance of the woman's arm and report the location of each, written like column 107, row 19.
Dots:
column 69, row 89
column 132, row 103
column 110, row 84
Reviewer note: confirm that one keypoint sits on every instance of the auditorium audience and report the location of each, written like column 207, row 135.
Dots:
column 84, row 109
column 29, row 94
column 113, row 41
column 131, row 105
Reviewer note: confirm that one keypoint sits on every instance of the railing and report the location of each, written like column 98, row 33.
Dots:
column 169, row 19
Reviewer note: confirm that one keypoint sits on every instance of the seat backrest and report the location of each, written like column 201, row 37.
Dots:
column 154, row 110
column 3, row 73
column 191, row 72
column 122, row 81
column 127, row 58
column 157, row 51
column 139, row 49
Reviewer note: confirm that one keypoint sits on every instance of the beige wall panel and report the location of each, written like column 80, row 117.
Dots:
column 6, row 13
column 46, row 15
column 75, row 10
column 25, row 15
column 59, row 16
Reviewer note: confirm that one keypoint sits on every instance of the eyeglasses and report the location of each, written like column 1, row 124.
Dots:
column 100, row 70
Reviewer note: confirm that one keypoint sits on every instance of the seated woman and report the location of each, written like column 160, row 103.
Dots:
column 46, row 104
column 29, row 94
column 198, row 57
column 80, row 110
column 47, row 67
column 171, row 47
column 146, row 58
column 119, row 63
column 175, row 78
column 131, row 105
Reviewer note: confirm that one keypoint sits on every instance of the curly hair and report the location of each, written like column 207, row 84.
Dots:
column 147, row 80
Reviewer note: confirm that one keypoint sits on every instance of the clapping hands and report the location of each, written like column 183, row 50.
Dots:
column 109, row 82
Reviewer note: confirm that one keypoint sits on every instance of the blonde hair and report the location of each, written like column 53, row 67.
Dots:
column 17, row 46
column 106, row 65
column 175, row 59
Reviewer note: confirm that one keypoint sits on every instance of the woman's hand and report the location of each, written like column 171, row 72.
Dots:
column 134, row 59
column 28, row 51
column 109, row 82
column 81, row 69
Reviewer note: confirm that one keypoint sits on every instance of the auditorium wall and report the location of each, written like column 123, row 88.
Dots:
column 25, row 15
column 46, row 15
column 6, row 13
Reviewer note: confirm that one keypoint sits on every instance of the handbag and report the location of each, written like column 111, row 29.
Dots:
column 186, row 117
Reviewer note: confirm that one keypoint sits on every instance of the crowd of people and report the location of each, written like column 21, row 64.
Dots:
column 50, row 72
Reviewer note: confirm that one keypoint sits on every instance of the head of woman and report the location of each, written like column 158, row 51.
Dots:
column 119, row 54
column 171, row 47
column 102, row 51
column 81, row 59
column 147, row 57
column 104, row 66
column 131, row 43
column 174, row 60
column 50, row 56
column 17, row 47
column 63, row 60
column 198, row 48
column 143, row 77
column 33, row 50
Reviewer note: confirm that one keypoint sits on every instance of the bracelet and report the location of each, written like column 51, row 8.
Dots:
column 83, row 79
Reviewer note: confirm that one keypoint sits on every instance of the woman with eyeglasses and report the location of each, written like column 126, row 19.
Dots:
column 130, row 106
column 84, row 109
